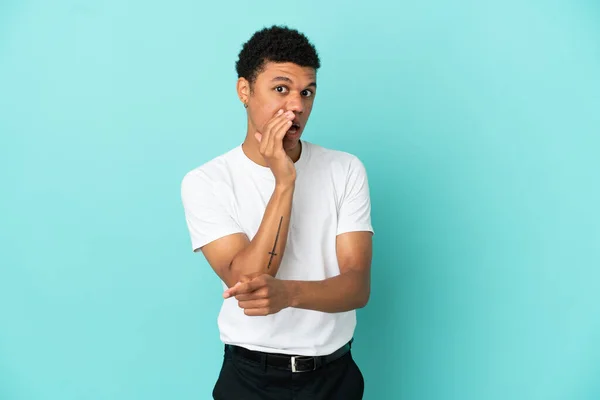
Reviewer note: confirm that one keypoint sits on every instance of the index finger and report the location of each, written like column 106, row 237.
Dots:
column 272, row 120
column 242, row 288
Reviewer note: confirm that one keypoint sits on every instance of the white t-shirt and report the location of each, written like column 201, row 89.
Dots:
column 229, row 194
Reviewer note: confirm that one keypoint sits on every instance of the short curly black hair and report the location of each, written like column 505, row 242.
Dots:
column 275, row 44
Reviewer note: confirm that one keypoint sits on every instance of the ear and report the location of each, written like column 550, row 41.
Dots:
column 243, row 90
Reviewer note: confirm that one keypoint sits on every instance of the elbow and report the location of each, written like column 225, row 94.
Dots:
column 241, row 268
column 232, row 273
column 228, row 276
column 365, row 292
column 361, row 290
column 363, row 298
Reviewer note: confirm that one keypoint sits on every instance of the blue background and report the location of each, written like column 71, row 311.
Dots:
column 479, row 125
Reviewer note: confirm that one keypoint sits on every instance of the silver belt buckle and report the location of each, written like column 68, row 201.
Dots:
column 293, row 362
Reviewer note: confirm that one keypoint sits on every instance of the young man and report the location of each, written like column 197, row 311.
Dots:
column 286, row 225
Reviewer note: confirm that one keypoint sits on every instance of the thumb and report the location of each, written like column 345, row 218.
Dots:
column 258, row 136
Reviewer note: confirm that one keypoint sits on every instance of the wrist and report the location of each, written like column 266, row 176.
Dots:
column 285, row 187
column 292, row 291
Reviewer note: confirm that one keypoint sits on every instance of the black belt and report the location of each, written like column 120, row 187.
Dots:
column 289, row 362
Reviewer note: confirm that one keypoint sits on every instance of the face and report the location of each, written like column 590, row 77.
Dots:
column 286, row 86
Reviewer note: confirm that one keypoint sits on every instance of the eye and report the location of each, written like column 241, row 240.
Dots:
column 307, row 93
column 281, row 89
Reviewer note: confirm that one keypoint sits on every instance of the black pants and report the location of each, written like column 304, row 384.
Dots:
column 243, row 379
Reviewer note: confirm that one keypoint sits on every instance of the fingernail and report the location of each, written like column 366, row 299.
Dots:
column 280, row 112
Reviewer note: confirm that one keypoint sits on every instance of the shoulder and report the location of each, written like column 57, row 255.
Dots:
column 336, row 160
column 209, row 174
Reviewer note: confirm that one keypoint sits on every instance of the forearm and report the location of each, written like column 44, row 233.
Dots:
column 265, row 251
column 347, row 291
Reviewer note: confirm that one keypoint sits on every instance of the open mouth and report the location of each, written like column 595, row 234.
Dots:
column 295, row 128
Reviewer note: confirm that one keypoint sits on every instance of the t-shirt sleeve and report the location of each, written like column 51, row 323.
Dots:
column 205, row 212
column 355, row 207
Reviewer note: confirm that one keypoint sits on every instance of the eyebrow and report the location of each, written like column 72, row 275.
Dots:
column 286, row 79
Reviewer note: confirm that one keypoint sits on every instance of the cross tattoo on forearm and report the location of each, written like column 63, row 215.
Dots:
column 272, row 252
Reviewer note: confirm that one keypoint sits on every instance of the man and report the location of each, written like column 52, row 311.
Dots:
column 286, row 226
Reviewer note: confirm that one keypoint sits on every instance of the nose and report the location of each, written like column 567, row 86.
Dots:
column 295, row 103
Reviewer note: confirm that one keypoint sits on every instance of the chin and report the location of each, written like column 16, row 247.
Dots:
column 290, row 144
